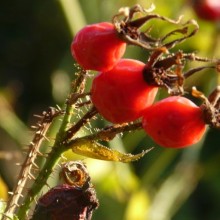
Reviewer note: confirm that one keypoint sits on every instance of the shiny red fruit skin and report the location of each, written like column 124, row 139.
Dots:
column 207, row 9
column 174, row 122
column 97, row 47
column 121, row 95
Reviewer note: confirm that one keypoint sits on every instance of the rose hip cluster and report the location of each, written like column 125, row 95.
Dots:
column 125, row 89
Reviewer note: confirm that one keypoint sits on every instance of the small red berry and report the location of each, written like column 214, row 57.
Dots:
column 174, row 122
column 121, row 94
column 207, row 9
column 97, row 47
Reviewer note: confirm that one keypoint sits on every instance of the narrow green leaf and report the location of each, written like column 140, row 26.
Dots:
column 95, row 150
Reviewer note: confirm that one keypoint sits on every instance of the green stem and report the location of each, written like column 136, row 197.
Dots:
column 57, row 149
column 107, row 134
column 40, row 181
column 77, row 88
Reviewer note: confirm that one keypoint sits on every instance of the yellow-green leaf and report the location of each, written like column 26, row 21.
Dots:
column 95, row 150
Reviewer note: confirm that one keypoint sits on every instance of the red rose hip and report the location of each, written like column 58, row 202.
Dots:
column 121, row 94
column 174, row 122
column 97, row 47
column 207, row 9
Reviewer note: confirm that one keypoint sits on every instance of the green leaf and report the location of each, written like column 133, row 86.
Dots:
column 95, row 150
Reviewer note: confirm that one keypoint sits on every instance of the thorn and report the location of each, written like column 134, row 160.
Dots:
column 34, row 127
column 58, row 107
column 30, row 154
column 47, row 185
column 38, row 116
column 20, row 181
column 59, row 166
column 37, row 152
column 35, row 165
column 22, row 196
column 63, row 157
column 35, row 200
column 30, row 175
column 31, row 144
column 39, row 125
column 46, row 138
column 18, row 164
column 38, row 132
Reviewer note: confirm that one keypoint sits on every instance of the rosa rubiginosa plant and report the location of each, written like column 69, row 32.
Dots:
column 123, row 93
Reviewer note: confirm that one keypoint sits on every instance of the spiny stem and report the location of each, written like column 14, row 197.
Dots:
column 105, row 134
column 78, row 87
column 34, row 148
column 108, row 133
column 71, row 131
column 57, row 149
column 40, row 181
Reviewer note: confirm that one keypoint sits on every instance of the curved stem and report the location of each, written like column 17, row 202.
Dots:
column 108, row 133
column 57, row 149
column 71, row 131
column 40, row 181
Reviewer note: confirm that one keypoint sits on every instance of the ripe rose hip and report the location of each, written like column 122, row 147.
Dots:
column 97, row 47
column 121, row 94
column 174, row 122
column 207, row 9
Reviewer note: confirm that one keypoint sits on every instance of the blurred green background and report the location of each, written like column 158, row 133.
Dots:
column 36, row 69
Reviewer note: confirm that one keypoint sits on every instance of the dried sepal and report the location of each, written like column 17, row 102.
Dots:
column 74, row 173
column 162, row 69
column 210, row 106
column 128, row 28
column 167, row 70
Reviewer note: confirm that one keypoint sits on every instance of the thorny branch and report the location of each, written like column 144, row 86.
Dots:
column 161, row 69
column 34, row 150
column 109, row 132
